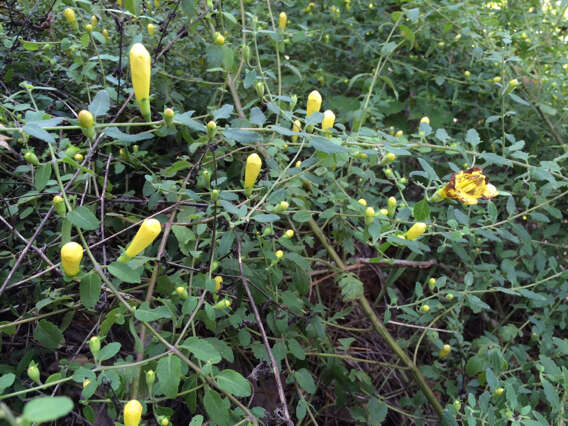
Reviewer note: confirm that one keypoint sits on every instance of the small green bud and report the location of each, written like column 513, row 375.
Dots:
column 169, row 116
column 182, row 292
column 432, row 284
column 369, row 216
column 211, row 129
column 31, row 158
column 59, row 205
column 259, row 87
column 222, row 304
column 95, row 345
column 215, row 195
column 150, row 378
column 391, row 204
column 33, row 373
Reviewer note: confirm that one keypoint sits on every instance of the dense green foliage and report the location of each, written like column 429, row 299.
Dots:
column 311, row 271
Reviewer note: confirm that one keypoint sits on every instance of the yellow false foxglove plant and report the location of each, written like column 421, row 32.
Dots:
column 415, row 231
column 146, row 234
column 282, row 20
column 252, row 170
column 314, row 103
column 132, row 413
column 141, row 70
column 328, row 120
column 71, row 255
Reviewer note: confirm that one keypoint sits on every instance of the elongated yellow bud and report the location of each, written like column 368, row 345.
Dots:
column 252, row 170
column 69, row 15
column 94, row 21
column 282, row 20
column 132, row 413
column 141, row 70
column 151, row 28
column 71, row 255
column 369, row 215
column 415, row 231
column 314, row 103
column 218, row 282
column 296, row 127
column 328, row 120
column 146, row 234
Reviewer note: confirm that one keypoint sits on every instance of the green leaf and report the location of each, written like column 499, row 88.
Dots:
column 257, row 117
column 145, row 313
column 202, row 349
column 421, row 210
column 108, row 351
column 551, row 394
column 90, row 290
column 472, row 137
column 83, row 218
column 233, row 382
column 196, row 420
column 47, row 408
column 351, row 287
column 224, row 112
column 37, row 132
column 302, row 216
column 305, row 380
column 124, row 272
column 216, row 408
column 168, row 373
column 42, row 176
column 188, row 7
column 266, row 218
column 48, row 334
column 6, row 380
column 100, row 104
column 377, row 411
column 322, row 144
column 115, row 133
column 242, row 136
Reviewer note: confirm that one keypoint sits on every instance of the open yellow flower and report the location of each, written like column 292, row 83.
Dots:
column 468, row 187
column 314, row 103
column 141, row 70
column 252, row 170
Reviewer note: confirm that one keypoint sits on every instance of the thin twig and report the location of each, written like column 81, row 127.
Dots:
column 264, row 337
column 102, row 200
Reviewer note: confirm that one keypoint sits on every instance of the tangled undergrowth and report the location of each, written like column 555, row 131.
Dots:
column 255, row 212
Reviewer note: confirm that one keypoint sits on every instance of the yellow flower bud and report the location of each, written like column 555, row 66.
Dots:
column 86, row 119
column 282, row 20
column 132, row 413
column 94, row 21
column 279, row 254
column 223, row 304
column 252, row 170
column 314, row 103
column 369, row 215
column 146, row 234
column 150, row 378
column 219, row 39
column 33, row 373
column 496, row 79
column 283, row 205
column 86, row 383
column 296, row 127
column 71, row 255
column 89, row 28
column 328, row 120
column 425, row 308
column 425, row 120
column 499, row 391
column 105, row 35
column 211, row 128
column 69, row 15
column 298, row 164
column 218, row 282
column 415, row 231
column 445, row 351
column 362, row 201
column 384, row 212
column 141, row 70
column 467, row 74
column 399, row 134
column 78, row 157
column 289, row 233
column 165, row 422
column 95, row 345
column 169, row 116
column 151, row 28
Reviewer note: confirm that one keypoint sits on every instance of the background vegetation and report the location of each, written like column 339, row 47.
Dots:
column 352, row 316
